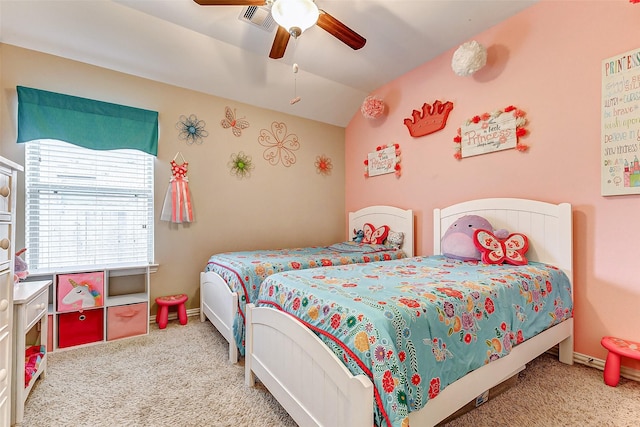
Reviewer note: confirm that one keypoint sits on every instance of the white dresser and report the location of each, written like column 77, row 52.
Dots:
column 8, row 179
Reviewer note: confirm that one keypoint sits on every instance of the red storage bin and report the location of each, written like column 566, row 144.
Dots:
column 78, row 328
column 127, row 320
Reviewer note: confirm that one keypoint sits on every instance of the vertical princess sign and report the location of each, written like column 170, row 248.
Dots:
column 382, row 161
column 620, row 129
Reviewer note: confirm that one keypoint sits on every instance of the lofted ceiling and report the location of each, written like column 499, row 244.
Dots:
column 211, row 50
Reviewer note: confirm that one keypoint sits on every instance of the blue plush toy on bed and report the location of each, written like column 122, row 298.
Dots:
column 457, row 241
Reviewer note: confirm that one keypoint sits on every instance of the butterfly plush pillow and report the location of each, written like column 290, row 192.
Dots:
column 374, row 235
column 493, row 250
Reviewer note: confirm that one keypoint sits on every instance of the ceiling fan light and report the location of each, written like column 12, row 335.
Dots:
column 289, row 14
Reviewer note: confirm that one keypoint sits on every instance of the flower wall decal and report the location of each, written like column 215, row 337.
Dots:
column 323, row 165
column 191, row 129
column 241, row 165
column 280, row 145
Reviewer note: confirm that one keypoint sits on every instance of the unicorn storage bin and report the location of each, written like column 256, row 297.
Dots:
column 80, row 300
column 80, row 291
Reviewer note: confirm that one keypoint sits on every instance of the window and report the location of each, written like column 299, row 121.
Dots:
column 87, row 207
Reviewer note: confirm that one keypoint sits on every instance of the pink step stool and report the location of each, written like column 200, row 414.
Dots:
column 617, row 348
column 162, row 318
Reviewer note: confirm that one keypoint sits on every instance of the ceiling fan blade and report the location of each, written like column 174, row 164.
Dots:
column 279, row 43
column 340, row 31
column 230, row 2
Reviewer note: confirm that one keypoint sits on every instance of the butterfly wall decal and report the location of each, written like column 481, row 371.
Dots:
column 495, row 251
column 230, row 121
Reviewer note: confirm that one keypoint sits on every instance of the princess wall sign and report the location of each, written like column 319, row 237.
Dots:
column 620, row 124
column 491, row 132
column 386, row 159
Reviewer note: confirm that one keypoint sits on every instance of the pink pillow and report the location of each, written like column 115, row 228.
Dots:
column 374, row 235
column 495, row 251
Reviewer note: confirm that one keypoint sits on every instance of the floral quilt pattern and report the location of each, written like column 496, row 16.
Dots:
column 245, row 271
column 416, row 325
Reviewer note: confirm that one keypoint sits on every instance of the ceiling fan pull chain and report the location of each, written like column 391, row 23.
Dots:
column 296, row 98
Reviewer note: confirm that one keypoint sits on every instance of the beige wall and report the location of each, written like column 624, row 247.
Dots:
column 277, row 206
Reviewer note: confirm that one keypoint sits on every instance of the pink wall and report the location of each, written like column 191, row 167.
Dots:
column 546, row 61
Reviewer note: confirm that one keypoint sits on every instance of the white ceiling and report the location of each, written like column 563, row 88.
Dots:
column 208, row 49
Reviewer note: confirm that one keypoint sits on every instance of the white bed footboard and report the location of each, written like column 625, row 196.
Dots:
column 316, row 389
column 303, row 374
column 219, row 305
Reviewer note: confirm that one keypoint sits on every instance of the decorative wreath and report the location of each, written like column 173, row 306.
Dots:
column 397, row 167
column 521, row 121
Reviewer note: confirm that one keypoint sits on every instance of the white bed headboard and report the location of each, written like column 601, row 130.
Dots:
column 548, row 226
column 397, row 219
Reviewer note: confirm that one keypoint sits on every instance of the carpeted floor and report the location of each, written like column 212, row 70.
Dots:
column 180, row 377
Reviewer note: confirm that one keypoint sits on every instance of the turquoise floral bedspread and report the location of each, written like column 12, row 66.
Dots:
column 416, row 325
column 245, row 271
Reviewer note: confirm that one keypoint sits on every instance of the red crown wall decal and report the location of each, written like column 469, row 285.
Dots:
column 432, row 119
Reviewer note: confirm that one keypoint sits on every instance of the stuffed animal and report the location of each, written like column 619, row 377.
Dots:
column 458, row 242
column 359, row 235
column 395, row 239
column 21, row 270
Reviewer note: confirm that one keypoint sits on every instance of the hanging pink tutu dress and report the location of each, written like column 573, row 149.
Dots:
column 177, row 202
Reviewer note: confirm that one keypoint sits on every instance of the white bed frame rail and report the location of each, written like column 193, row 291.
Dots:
column 219, row 305
column 315, row 387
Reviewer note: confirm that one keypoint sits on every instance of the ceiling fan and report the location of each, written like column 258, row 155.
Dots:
column 305, row 15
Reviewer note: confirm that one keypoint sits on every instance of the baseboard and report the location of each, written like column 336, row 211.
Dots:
column 174, row 316
column 583, row 359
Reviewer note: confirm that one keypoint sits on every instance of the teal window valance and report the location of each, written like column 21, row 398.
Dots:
column 85, row 122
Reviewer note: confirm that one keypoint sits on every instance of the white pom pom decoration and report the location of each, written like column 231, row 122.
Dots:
column 469, row 58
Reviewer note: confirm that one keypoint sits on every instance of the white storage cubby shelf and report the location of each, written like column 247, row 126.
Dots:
column 116, row 310
column 29, row 335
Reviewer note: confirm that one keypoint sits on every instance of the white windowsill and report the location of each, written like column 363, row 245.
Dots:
column 122, row 269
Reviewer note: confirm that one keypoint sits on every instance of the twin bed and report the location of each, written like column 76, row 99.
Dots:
column 232, row 280
column 410, row 341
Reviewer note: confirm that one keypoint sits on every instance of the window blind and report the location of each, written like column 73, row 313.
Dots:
column 91, row 124
column 87, row 207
